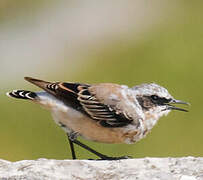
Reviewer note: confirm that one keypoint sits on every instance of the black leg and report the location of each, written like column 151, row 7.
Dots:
column 72, row 148
column 102, row 156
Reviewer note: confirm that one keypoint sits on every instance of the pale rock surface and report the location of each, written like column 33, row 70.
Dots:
column 186, row 168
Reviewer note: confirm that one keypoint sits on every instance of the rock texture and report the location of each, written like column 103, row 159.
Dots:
column 186, row 168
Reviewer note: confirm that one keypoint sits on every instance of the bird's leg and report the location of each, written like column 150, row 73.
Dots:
column 71, row 137
column 72, row 149
column 102, row 156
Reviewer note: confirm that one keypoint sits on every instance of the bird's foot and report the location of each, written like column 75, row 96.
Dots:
column 116, row 158
column 112, row 158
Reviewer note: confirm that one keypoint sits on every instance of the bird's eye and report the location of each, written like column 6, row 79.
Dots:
column 154, row 97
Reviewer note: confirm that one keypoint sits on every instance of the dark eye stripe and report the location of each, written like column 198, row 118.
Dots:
column 159, row 100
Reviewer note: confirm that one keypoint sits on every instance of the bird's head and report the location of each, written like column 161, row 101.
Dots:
column 156, row 100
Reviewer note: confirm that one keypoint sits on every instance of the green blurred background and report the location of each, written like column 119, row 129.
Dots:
column 85, row 41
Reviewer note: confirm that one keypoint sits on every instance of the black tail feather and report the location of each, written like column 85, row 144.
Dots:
column 22, row 94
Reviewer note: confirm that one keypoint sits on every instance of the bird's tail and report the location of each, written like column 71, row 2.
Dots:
column 22, row 94
column 40, row 83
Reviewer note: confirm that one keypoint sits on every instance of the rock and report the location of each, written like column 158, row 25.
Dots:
column 186, row 168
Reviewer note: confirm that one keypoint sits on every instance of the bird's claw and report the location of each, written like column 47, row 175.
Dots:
column 112, row 158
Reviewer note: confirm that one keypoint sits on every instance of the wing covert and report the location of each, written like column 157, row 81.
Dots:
column 104, row 113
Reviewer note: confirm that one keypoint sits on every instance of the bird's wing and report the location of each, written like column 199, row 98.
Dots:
column 109, row 104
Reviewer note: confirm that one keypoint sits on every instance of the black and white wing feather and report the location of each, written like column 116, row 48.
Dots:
column 87, row 102
column 86, row 99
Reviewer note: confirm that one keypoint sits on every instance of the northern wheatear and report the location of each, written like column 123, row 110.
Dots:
column 107, row 113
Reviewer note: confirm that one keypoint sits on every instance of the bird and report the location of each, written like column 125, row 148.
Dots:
column 103, row 112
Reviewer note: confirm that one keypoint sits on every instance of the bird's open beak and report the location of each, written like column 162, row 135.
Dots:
column 174, row 101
